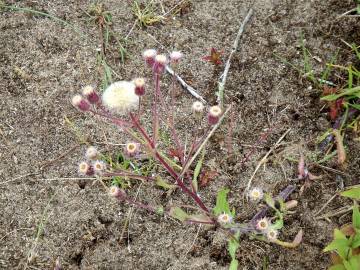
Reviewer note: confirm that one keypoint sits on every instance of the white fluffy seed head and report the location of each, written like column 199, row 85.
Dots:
column 255, row 194
column 197, row 107
column 120, row 97
column 224, row 218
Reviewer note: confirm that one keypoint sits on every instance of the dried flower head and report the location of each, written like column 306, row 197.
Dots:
column 80, row 103
column 132, row 149
column 117, row 193
column 224, row 218
column 149, row 56
column 99, row 167
column 175, row 56
column 91, row 153
column 85, row 169
column 120, row 97
column 214, row 115
column 272, row 235
column 139, row 86
column 90, row 94
column 160, row 63
column 263, row 224
column 255, row 194
column 197, row 107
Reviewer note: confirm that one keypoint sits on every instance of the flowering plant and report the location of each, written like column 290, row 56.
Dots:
column 120, row 104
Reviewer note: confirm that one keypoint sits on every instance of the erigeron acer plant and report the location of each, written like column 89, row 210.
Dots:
column 120, row 104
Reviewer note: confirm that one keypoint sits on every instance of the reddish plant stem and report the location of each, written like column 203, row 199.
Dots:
column 170, row 170
column 141, row 205
column 155, row 107
column 116, row 121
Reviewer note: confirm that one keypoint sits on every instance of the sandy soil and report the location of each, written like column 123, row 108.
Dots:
column 44, row 63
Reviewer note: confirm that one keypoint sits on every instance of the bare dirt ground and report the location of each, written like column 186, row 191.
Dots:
column 44, row 63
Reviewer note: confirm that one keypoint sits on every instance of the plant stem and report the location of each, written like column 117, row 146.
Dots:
column 170, row 170
column 155, row 108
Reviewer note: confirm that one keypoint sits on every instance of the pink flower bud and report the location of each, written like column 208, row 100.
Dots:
column 175, row 56
column 90, row 94
column 91, row 153
column 160, row 63
column 139, row 86
column 149, row 56
column 117, row 193
column 214, row 115
column 80, row 103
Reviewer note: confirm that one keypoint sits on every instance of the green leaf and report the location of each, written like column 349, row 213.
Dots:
column 337, row 267
column 197, row 170
column 348, row 265
column 356, row 241
column 339, row 234
column 356, row 106
column 178, row 213
column 234, row 264
column 346, row 92
column 356, row 217
column 199, row 219
column 163, row 184
column 222, row 206
column 233, row 245
column 355, row 262
column 269, row 201
column 353, row 193
column 278, row 225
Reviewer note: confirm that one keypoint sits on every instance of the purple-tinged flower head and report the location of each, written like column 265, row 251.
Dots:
column 149, row 56
column 160, row 63
column 263, row 224
column 91, row 153
column 90, row 94
column 80, row 103
column 85, row 169
column 99, row 167
column 132, row 149
column 139, row 86
column 272, row 235
column 255, row 194
column 214, row 115
column 117, row 193
column 175, row 56
column 224, row 218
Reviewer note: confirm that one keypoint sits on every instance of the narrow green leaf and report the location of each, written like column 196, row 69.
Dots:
column 197, row 170
column 336, row 244
column 337, row 267
column 346, row 92
column 339, row 234
column 222, row 206
column 269, row 201
column 353, row 193
column 234, row 264
column 278, row 225
column 356, row 241
column 356, row 106
column 163, row 184
column 233, row 245
column 355, row 262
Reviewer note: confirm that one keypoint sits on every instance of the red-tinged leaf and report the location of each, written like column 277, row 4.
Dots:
column 174, row 153
column 214, row 57
column 329, row 90
column 333, row 111
column 206, row 177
